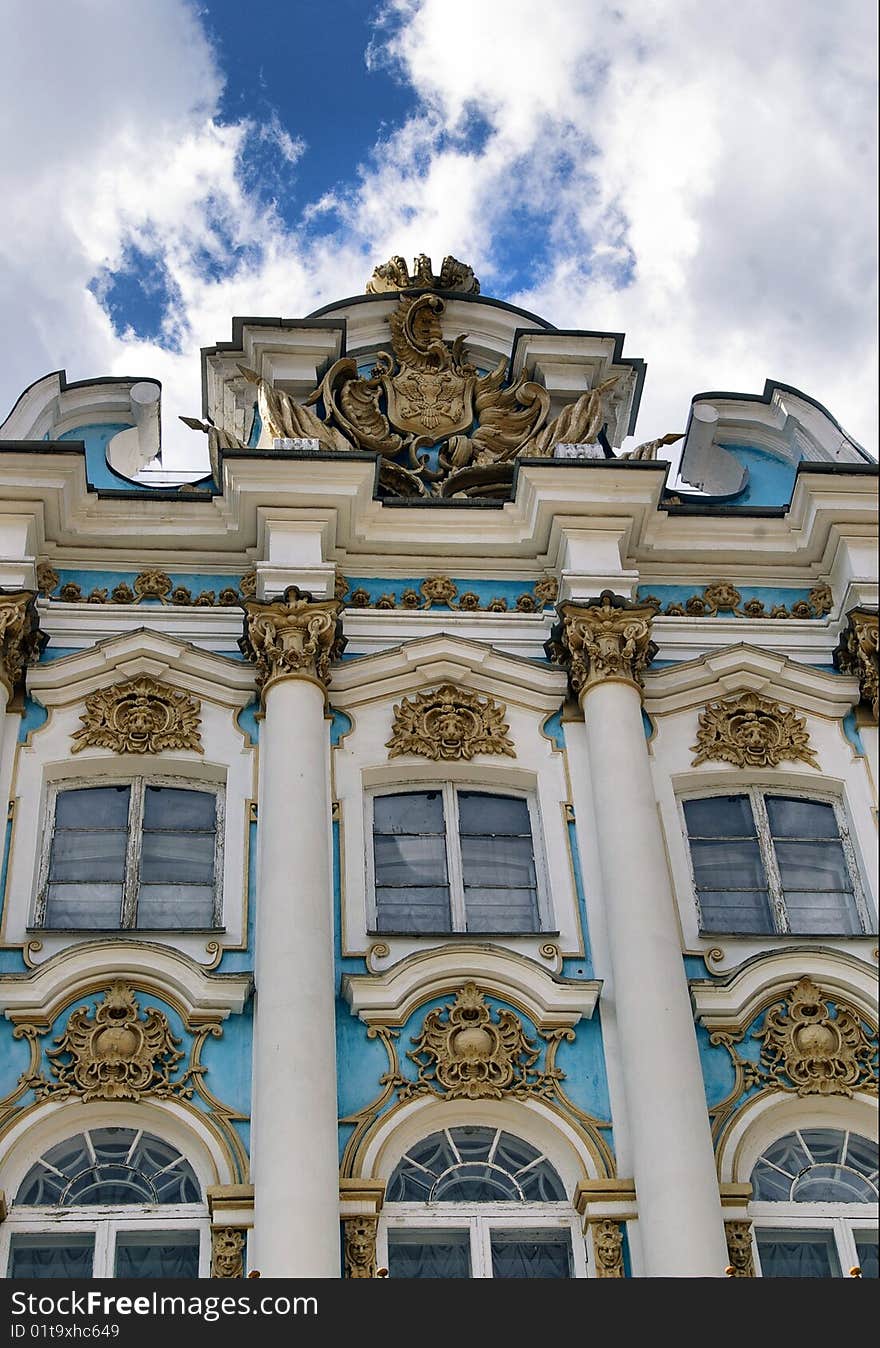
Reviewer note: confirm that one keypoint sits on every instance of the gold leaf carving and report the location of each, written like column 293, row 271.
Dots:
column 857, row 653
column 394, row 275
column 139, row 717
column 752, row 731
column 606, row 638
column 608, row 1247
column 21, row 640
column 227, row 1252
column 47, row 578
column 739, row 1249
column 819, row 1053
column 294, row 635
column 360, row 1246
column 152, row 585
column 450, row 723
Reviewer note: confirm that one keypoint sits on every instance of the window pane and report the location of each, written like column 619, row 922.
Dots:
column 62, row 1256
column 727, row 865
column 88, row 856
column 429, row 1254
column 179, row 809
column 159, row 1254
column 792, row 818
column 473, row 1144
column 863, row 1154
column 825, row 1145
column 178, row 857
column 812, row 865
column 83, row 906
column 866, row 1248
column 175, row 906
column 720, row 817
column 798, row 1254
column 498, row 861
column 409, row 812
column 740, row 911
column 93, row 807
column 531, row 1254
column 409, row 910
column 814, row 914
column 501, row 910
column 410, row 860
column 473, row 1183
column 832, row 1184
column 482, row 812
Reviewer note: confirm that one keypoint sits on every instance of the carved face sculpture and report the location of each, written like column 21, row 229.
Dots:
column 139, row 717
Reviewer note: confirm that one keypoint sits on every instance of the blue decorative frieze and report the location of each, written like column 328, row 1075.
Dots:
column 444, row 592
column 723, row 599
column 148, row 587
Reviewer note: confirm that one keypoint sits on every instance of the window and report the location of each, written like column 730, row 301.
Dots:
column 476, row 1202
column 142, row 853
column 774, row 864
column 448, row 859
column 109, row 1202
column 815, row 1205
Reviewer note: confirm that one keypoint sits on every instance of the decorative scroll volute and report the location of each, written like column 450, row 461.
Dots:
column 292, row 637
column 360, row 1246
column 608, row 1247
column 21, row 640
column 820, row 1053
column 449, row 723
column 140, row 716
column 750, row 731
column 605, row 638
column 857, row 654
column 739, row 1249
column 227, row 1252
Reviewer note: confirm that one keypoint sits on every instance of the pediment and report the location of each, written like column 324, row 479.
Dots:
column 745, row 668
column 734, row 1000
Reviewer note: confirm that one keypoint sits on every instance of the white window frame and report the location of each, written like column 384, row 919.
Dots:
column 106, row 1223
column 449, row 790
column 138, row 784
column 480, row 1220
column 843, row 1219
column 756, row 793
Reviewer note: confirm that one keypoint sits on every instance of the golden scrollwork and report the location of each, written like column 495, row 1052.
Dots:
column 360, row 1246
column 449, row 723
column 140, row 716
column 227, row 1252
column 291, row 636
column 857, row 654
column 752, row 731
column 739, row 1249
column 462, row 1052
column 819, row 1053
column 394, row 275
column 608, row 1247
column 21, row 640
column 112, row 1053
column 605, row 638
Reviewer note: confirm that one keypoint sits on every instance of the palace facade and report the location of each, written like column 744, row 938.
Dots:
column 438, row 842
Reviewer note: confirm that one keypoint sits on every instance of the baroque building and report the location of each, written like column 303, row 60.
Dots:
column 438, row 841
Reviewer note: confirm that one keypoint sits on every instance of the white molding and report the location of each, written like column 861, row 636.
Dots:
column 746, row 668
column 732, row 1002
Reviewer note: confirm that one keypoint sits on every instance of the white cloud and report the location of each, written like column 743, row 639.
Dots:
column 716, row 158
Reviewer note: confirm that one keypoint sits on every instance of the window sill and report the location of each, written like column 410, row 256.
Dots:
column 459, row 935
column 787, row 936
column 124, row 931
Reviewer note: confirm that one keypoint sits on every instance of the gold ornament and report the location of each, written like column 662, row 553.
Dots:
column 394, row 275
column 438, row 590
column 739, row 1249
column 750, row 731
column 21, row 640
column 47, row 578
column 608, row 1247
column 819, row 1053
column 606, row 638
column 227, row 1252
column 109, row 1053
column 139, row 717
column 857, row 653
column 152, row 585
column 462, row 1053
column 292, row 636
column 360, row 1246
column 449, row 723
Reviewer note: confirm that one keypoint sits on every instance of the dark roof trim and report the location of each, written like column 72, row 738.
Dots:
column 445, row 294
column 65, row 384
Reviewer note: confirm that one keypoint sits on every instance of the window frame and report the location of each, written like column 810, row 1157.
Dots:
column 839, row 1218
column 480, row 1220
column 106, row 1224
column 454, row 871
column 137, row 784
column 756, row 793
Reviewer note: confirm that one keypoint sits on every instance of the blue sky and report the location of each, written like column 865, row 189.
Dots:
column 697, row 175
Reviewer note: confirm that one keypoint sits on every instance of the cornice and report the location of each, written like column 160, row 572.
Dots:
column 741, row 668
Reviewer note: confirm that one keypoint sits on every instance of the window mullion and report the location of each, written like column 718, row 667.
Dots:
column 454, row 867
column 852, row 865
column 104, row 1263
column 481, row 1248
column 133, row 853
column 46, row 858
column 768, row 858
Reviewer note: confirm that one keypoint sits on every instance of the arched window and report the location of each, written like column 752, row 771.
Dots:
column 108, row 1202
column 476, row 1202
column 814, row 1204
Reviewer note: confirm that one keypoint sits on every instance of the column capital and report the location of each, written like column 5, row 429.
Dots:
column 857, row 652
column 20, row 637
column 602, row 640
column 295, row 636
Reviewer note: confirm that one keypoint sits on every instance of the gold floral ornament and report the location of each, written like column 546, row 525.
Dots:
column 739, row 1249
column 449, row 723
column 139, row 717
column 47, row 578
column 857, row 653
column 112, row 1053
column 360, row 1246
column 463, row 1053
column 21, row 640
column 606, row 638
column 608, row 1247
column 750, row 731
column 292, row 636
column 152, row 585
column 395, row 275
column 227, row 1252
column 820, row 1053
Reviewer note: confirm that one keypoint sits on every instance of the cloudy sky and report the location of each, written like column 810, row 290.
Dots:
column 697, row 174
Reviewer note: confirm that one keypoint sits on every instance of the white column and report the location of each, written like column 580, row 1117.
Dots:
column 294, row 1155
column 606, row 644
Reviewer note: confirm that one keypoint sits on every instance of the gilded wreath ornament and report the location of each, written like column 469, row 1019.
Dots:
column 141, row 716
column 751, row 731
column 449, row 723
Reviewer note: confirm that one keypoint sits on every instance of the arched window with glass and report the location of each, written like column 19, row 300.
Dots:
column 109, row 1203
column 814, row 1205
column 479, row 1202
